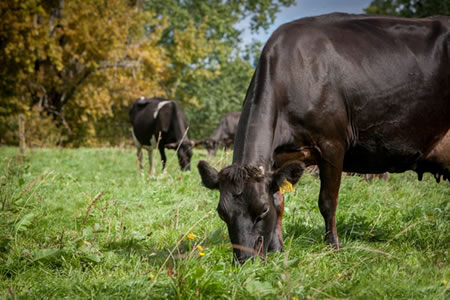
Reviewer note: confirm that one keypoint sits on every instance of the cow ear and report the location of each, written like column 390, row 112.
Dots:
column 291, row 172
column 210, row 176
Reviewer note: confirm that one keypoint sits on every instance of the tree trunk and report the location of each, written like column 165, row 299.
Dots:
column 22, row 134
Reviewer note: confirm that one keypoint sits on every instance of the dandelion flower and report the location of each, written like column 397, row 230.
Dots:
column 191, row 236
column 200, row 248
column 444, row 282
column 339, row 275
column 294, row 298
column 201, row 254
column 151, row 276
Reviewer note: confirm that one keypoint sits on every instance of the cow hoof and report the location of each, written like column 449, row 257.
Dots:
column 332, row 241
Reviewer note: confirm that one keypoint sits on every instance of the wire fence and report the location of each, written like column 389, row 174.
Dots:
column 107, row 133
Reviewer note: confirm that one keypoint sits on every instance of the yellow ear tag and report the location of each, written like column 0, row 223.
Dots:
column 286, row 187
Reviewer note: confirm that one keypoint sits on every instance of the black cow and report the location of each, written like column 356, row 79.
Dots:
column 224, row 133
column 354, row 93
column 161, row 123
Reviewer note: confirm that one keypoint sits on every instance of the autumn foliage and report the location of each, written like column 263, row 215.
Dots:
column 74, row 67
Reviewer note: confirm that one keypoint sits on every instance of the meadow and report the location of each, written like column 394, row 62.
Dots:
column 87, row 223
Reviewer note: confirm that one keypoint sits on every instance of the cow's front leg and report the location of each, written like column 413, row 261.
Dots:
column 163, row 157
column 330, row 180
column 139, row 157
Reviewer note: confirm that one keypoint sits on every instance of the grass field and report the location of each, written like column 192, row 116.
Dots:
column 86, row 223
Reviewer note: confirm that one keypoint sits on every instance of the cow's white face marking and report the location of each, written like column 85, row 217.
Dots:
column 160, row 105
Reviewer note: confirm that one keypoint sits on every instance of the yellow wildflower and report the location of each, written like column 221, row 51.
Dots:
column 294, row 298
column 444, row 282
column 339, row 275
column 201, row 254
column 200, row 248
column 191, row 236
column 151, row 276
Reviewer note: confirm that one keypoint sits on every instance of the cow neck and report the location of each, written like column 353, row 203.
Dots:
column 179, row 126
column 255, row 135
column 218, row 132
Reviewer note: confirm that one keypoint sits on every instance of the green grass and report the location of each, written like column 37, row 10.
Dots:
column 86, row 223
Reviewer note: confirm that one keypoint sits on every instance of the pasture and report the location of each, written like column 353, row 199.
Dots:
column 86, row 223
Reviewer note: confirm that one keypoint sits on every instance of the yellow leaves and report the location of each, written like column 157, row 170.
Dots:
column 191, row 44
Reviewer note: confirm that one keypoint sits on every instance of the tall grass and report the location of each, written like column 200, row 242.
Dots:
column 86, row 223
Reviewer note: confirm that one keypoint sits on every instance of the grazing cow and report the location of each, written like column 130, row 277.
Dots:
column 354, row 93
column 224, row 133
column 161, row 123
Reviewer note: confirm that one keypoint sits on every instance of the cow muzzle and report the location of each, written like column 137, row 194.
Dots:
column 242, row 253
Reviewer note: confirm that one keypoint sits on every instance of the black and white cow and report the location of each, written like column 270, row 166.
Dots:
column 160, row 123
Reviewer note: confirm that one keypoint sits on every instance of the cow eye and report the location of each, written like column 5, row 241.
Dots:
column 262, row 215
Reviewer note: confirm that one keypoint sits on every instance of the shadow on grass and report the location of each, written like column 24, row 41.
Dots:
column 353, row 228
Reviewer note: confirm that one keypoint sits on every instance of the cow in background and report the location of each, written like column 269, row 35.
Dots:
column 224, row 133
column 159, row 122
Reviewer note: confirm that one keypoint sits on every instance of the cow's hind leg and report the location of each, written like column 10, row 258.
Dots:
column 330, row 179
column 150, row 161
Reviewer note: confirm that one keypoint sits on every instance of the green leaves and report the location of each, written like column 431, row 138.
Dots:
column 24, row 223
column 410, row 8
column 259, row 288
column 47, row 254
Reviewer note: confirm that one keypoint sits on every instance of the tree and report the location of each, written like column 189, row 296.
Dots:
column 409, row 8
column 213, row 81
column 81, row 63
column 77, row 59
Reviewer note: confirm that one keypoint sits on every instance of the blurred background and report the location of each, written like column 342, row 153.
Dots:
column 71, row 69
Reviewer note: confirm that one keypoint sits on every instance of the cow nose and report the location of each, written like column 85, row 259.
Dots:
column 242, row 260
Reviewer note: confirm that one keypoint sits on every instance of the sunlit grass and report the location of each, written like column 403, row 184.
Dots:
column 86, row 223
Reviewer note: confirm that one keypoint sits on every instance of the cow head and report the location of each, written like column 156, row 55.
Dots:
column 250, row 204
column 184, row 155
column 211, row 146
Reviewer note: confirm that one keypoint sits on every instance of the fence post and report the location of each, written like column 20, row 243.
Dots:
column 22, row 134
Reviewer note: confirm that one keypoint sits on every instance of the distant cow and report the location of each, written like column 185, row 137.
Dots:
column 161, row 123
column 224, row 133
column 353, row 93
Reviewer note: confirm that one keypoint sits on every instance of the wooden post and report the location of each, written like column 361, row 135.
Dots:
column 22, row 134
